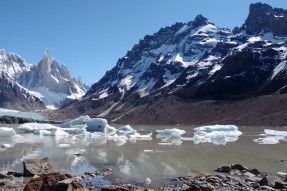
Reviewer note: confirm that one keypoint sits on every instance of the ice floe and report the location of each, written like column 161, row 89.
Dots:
column 78, row 121
column 32, row 127
column 170, row 136
column 86, row 129
column 8, row 133
column 216, row 134
column 271, row 137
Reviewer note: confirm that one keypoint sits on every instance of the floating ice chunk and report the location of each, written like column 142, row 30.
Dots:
column 110, row 130
column 78, row 121
column 272, row 137
column 186, row 138
column 31, row 127
column 56, row 132
column 165, row 143
column 64, row 145
column 142, row 137
column 147, row 181
column 176, row 141
column 6, row 146
column 76, row 130
column 120, row 141
column 216, row 134
column 283, row 174
column 96, row 124
column 7, row 132
column 269, row 132
column 148, row 151
column 125, row 128
column 173, row 131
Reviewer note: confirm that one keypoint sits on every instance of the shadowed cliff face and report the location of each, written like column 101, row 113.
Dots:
column 263, row 18
column 13, row 96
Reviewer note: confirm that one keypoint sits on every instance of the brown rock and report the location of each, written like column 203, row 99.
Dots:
column 124, row 187
column 53, row 182
column 5, row 183
column 43, row 166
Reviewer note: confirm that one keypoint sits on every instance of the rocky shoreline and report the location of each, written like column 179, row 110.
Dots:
column 45, row 176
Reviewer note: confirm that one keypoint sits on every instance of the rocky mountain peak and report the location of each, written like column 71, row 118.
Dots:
column 200, row 20
column 263, row 17
column 47, row 53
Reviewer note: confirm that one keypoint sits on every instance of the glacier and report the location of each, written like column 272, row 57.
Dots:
column 16, row 113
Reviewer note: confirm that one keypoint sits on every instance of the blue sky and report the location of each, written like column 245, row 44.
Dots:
column 90, row 36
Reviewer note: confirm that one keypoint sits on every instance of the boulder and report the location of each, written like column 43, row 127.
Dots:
column 224, row 168
column 270, row 181
column 53, row 182
column 239, row 167
column 255, row 171
column 15, row 174
column 6, row 184
column 43, row 166
column 124, row 187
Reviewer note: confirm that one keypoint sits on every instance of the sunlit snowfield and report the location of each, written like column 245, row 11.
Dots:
column 136, row 160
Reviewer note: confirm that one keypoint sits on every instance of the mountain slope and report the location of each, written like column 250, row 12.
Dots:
column 13, row 96
column 47, row 82
column 51, row 82
column 192, row 62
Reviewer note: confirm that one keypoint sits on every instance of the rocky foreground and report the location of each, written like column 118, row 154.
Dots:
column 44, row 177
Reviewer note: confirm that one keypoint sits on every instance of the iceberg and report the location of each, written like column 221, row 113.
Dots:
column 93, row 130
column 6, row 132
column 216, row 134
column 96, row 124
column 56, row 132
column 170, row 136
column 6, row 146
column 31, row 127
column 120, row 141
column 272, row 137
column 78, row 121
column 172, row 132
column 64, row 145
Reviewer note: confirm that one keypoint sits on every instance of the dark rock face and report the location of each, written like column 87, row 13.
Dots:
column 263, row 17
column 13, row 96
column 43, row 166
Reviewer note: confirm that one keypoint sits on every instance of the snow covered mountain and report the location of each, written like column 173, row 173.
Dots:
column 47, row 82
column 195, row 61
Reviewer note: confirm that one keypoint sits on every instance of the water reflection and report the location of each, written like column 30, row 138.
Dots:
column 138, row 159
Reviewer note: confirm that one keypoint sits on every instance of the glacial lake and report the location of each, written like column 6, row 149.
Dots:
column 134, row 161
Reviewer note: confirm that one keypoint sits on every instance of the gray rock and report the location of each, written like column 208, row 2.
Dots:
column 255, row 171
column 224, row 168
column 43, row 166
column 62, row 177
column 239, row 167
column 280, row 185
column 248, row 174
column 270, row 181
